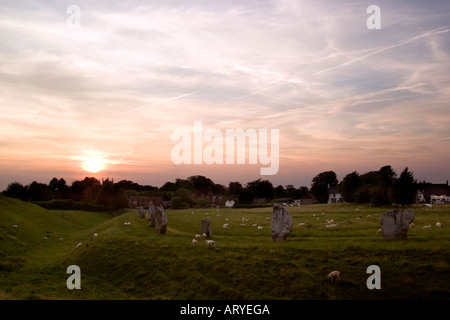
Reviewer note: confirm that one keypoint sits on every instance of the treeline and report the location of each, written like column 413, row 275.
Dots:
column 382, row 187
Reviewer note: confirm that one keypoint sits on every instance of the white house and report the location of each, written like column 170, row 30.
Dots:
column 334, row 196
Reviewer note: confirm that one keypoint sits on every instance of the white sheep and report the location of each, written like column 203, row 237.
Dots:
column 379, row 231
column 61, row 239
column 95, row 235
column 197, row 236
column 45, row 238
column 260, row 227
column 79, row 245
column 334, row 275
column 254, row 225
column 438, row 224
column 204, row 235
column 14, row 225
column 225, row 226
column 427, row 227
column 127, row 223
column 331, row 225
column 210, row 243
column 194, row 242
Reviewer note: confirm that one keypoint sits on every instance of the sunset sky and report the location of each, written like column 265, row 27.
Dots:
column 108, row 95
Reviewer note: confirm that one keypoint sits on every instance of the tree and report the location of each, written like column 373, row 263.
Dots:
column 16, row 190
column 235, row 188
column 201, row 182
column 246, row 196
column 280, row 192
column 261, row 188
column 185, row 196
column 39, row 192
column 404, row 188
column 349, row 184
column 321, row 183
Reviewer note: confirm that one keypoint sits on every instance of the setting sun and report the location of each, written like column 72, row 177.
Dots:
column 94, row 165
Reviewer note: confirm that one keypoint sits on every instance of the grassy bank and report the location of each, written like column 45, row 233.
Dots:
column 132, row 262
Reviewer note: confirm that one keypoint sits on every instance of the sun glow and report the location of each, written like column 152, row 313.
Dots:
column 94, row 164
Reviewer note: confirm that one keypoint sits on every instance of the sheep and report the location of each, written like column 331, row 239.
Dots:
column 254, row 225
column 95, row 235
column 438, row 224
column 210, row 243
column 45, row 238
column 334, row 275
column 197, row 236
column 225, row 226
column 61, row 239
column 79, row 245
column 331, row 225
column 379, row 231
column 260, row 227
column 301, row 223
column 127, row 223
column 426, row 227
column 194, row 242
column 205, row 235
column 14, row 225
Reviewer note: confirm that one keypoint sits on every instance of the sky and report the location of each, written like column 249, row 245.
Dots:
column 101, row 88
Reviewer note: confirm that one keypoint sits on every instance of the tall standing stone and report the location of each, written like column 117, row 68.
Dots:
column 395, row 223
column 281, row 223
column 206, row 227
column 160, row 220
column 141, row 213
column 151, row 216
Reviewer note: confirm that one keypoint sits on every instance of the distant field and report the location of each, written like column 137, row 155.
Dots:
column 132, row 262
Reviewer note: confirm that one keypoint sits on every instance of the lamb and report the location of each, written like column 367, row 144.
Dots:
column 334, row 275
column 197, row 236
column 205, row 235
column 210, row 243
column 79, row 245
column 438, row 224
column 194, row 242
column 225, row 226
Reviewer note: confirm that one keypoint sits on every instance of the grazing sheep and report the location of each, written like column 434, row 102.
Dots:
column 194, row 242
column 301, row 223
column 379, row 230
column 438, row 224
column 260, row 227
column 197, row 236
column 210, row 243
column 254, row 225
column 205, row 235
column 426, row 227
column 61, row 239
column 79, row 245
column 95, row 235
column 334, row 275
column 127, row 223
column 225, row 226
column 331, row 225
column 45, row 238
column 14, row 225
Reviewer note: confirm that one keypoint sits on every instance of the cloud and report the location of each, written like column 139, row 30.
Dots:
column 134, row 73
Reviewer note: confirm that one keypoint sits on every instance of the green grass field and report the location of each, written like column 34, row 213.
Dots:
column 132, row 262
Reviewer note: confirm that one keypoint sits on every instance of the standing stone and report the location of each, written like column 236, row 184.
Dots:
column 160, row 220
column 395, row 223
column 281, row 223
column 141, row 213
column 151, row 216
column 206, row 227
